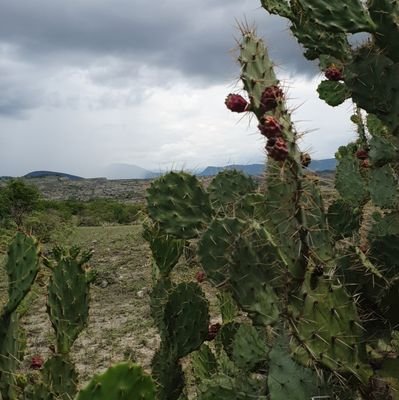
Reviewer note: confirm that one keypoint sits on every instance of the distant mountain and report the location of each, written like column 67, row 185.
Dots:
column 42, row 174
column 328, row 164
column 258, row 169
column 128, row 171
column 251, row 169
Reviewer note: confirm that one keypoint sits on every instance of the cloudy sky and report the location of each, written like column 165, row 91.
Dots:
column 88, row 83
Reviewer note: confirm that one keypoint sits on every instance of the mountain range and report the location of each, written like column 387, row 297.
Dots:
column 130, row 171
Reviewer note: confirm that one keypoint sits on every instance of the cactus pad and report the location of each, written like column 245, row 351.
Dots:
column 227, row 188
column 179, row 204
column 68, row 296
column 183, row 331
column 124, row 381
column 289, row 380
column 215, row 248
column 22, row 267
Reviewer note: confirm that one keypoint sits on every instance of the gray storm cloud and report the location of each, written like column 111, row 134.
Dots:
column 188, row 37
column 87, row 83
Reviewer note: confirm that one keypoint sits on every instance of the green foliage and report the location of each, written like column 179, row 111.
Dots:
column 17, row 199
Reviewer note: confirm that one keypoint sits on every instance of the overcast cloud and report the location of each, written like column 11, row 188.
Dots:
column 87, row 83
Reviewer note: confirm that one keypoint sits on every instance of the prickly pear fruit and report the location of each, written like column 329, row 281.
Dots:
column 362, row 154
column 270, row 127
column 277, row 148
column 236, row 103
column 36, row 362
column 270, row 98
column 333, row 73
column 200, row 276
column 213, row 331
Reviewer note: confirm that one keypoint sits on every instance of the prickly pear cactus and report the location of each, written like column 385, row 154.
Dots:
column 318, row 286
column 22, row 267
column 68, row 296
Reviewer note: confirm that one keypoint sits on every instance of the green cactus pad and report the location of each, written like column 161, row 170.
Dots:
column 253, row 274
column 167, row 374
column 124, row 381
column 215, row 248
column 383, row 187
column 282, row 206
column 223, row 387
column 256, row 70
column 251, row 206
column 179, row 204
column 166, row 250
column 314, row 218
column 22, row 267
column 384, row 243
column 10, row 354
column 385, row 14
column 68, row 296
column 158, row 298
column 227, row 188
column 343, row 218
column 333, row 93
column 289, row 380
column 327, row 326
column 38, row 391
column 226, row 335
column 317, row 40
column 203, row 363
column 249, row 347
column 349, row 17
column 382, row 150
column 349, row 181
column 375, row 126
column 372, row 79
column 186, row 318
column 60, row 376
column 279, row 7
column 227, row 305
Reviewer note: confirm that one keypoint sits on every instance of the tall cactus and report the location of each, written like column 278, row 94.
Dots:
column 280, row 263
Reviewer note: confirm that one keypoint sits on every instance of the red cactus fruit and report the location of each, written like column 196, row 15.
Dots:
column 305, row 159
column 277, row 148
column 362, row 154
column 270, row 127
column 200, row 276
column 236, row 103
column 333, row 73
column 365, row 163
column 270, row 98
column 36, row 362
column 213, row 331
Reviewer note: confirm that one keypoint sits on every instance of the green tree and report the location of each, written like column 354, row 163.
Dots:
column 17, row 199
